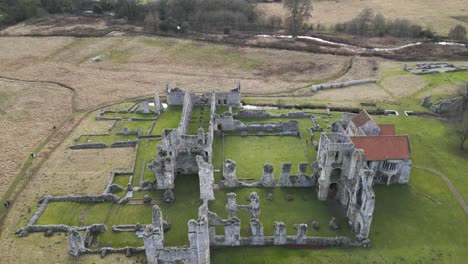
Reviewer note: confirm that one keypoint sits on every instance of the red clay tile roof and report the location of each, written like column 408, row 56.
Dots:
column 361, row 119
column 387, row 129
column 383, row 147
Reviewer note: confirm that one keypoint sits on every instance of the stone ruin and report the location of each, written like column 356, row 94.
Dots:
column 434, row 68
column 340, row 173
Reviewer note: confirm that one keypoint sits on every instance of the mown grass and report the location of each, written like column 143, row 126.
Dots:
column 169, row 118
column 304, row 209
column 133, row 125
column 200, row 118
column 147, row 150
column 250, row 153
column 187, row 201
column 105, row 139
column 407, row 226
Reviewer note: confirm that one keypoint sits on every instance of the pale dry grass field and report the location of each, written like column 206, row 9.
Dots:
column 361, row 68
column 403, row 85
column 434, row 14
column 28, row 113
column 364, row 92
column 65, row 172
column 141, row 66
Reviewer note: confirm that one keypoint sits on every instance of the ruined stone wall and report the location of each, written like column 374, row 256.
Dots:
column 186, row 114
column 89, row 146
column 325, row 86
column 175, row 96
column 265, row 114
column 230, row 179
column 231, row 98
column 343, row 166
column 124, row 144
column 198, row 250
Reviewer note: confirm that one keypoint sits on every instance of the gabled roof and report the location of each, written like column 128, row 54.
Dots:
column 387, row 129
column 361, row 119
column 383, row 147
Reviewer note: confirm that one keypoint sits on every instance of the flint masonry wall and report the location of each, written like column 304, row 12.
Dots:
column 230, row 179
column 186, row 114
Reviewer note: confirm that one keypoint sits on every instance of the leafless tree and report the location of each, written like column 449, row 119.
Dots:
column 299, row 11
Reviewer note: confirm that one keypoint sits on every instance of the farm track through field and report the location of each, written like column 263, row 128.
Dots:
column 449, row 184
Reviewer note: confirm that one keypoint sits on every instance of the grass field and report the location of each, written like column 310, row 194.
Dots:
column 169, row 118
column 305, row 208
column 440, row 16
column 147, row 150
column 407, row 226
column 250, row 153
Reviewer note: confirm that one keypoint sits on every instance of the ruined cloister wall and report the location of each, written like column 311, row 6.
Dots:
column 186, row 114
column 230, row 179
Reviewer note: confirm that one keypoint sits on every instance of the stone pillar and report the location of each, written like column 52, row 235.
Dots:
column 229, row 175
column 158, row 108
column 201, row 136
column 302, row 169
column 268, row 179
column 145, row 106
column 280, row 233
column 254, row 207
column 285, row 173
column 256, row 229
column 153, row 239
column 232, row 232
column 157, row 219
column 75, row 242
column 301, row 234
column 231, row 206
column 192, row 233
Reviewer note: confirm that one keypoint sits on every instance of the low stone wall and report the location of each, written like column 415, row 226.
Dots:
column 265, row 114
column 143, row 119
column 85, row 198
column 89, row 146
column 220, row 241
column 25, row 231
column 325, row 86
column 113, row 125
column 39, row 211
column 125, row 144
column 128, row 251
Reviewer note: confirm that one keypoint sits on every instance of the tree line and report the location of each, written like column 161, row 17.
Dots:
column 367, row 23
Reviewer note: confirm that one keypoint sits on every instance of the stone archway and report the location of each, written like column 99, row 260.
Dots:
column 335, row 174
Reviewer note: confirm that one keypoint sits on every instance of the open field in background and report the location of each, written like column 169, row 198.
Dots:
column 390, row 92
column 26, row 118
column 150, row 62
column 437, row 15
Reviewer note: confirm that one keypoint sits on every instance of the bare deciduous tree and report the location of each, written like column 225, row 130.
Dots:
column 298, row 10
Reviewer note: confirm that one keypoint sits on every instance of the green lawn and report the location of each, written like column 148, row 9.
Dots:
column 170, row 118
column 407, row 226
column 147, row 150
column 200, row 118
column 105, row 139
column 250, row 153
column 187, row 201
column 132, row 125
column 305, row 208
